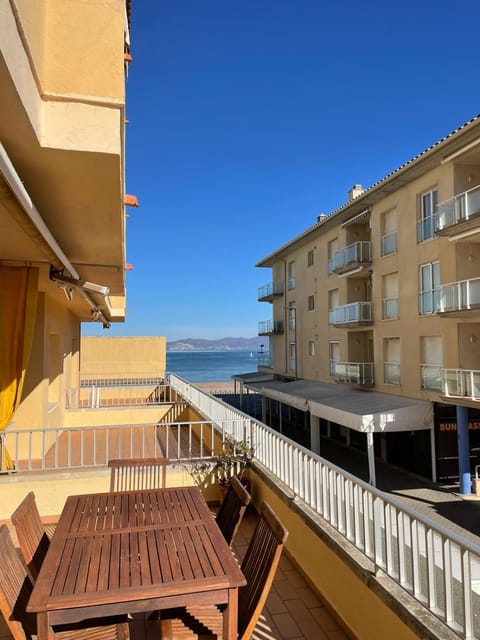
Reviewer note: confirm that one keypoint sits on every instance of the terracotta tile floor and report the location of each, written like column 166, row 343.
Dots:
column 293, row 610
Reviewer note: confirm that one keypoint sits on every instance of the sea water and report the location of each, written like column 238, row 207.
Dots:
column 210, row 366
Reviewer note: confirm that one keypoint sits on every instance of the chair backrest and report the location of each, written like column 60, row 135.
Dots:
column 129, row 474
column 31, row 535
column 15, row 589
column 259, row 566
column 232, row 509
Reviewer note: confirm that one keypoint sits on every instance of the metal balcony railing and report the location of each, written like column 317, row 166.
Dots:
column 353, row 313
column 265, row 361
column 115, row 390
column 461, row 383
column 435, row 565
column 357, row 372
column 390, row 308
column 431, row 375
column 429, row 301
column 389, row 243
column 391, row 372
column 270, row 290
column 270, row 327
column 355, row 254
column 458, row 209
column 459, row 296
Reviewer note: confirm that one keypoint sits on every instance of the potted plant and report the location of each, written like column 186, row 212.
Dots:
column 235, row 457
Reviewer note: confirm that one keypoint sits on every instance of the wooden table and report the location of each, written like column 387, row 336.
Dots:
column 126, row 552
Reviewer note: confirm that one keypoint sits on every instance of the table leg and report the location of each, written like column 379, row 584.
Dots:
column 44, row 630
column 230, row 616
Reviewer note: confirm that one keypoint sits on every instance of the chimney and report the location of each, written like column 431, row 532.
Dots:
column 355, row 191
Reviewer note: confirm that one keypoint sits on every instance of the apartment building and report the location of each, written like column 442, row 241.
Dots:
column 62, row 194
column 374, row 320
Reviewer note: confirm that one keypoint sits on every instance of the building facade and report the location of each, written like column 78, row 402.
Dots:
column 383, row 295
column 62, row 194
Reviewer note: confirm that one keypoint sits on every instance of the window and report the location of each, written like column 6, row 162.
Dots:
column 391, row 361
column 334, row 349
column 429, row 288
column 426, row 215
column 390, row 296
column 332, row 250
column 291, row 275
column 311, row 303
column 292, row 357
column 431, row 350
column 292, row 314
column 310, row 258
column 311, row 348
column 389, row 233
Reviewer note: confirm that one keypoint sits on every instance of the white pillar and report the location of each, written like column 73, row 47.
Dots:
column 371, row 459
column 315, row 434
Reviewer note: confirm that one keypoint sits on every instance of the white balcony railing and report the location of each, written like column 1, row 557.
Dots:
column 357, row 372
column 458, row 209
column 461, row 383
column 460, row 296
column 353, row 313
column 107, row 390
column 356, row 253
column 265, row 361
column 438, row 567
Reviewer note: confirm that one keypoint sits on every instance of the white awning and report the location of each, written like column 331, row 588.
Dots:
column 366, row 411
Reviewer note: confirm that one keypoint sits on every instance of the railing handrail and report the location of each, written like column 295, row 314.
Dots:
column 457, row 196
column 457, row 283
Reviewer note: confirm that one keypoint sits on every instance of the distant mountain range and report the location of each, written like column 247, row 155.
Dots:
column 222, row 344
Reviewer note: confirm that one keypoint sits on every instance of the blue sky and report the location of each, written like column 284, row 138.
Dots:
column 248, row 119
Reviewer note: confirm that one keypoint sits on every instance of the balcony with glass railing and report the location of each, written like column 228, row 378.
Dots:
column 265, row 361
column 354, row 372
column 292, row 283
column 391, row 373
column 269, row 291
column 353, row 314
column 389, row 243
column 459, row 213
column 270, row 327
column 390, row 309
column 431, row 375
column 426, row 228
column 459, row 296
column 461, row 383
column 355, row 255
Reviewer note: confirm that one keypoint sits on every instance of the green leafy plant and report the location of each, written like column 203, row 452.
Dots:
column 233, row 460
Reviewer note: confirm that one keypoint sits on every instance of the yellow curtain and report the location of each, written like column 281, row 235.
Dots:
column 18, row 306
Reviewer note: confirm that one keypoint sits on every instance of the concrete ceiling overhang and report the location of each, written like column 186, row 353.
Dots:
column 80, row 197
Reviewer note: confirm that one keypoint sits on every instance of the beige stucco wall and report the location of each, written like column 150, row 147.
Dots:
column 458, row 260
column 123, row 356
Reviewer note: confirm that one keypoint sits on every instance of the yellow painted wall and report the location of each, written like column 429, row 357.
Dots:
column 123, row 356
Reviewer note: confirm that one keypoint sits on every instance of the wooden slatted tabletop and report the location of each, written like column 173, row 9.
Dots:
column 125, row 552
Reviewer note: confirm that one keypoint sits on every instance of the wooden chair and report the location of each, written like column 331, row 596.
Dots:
column 259, row 566
column 232, row 509
column 128, row 474
column 32, row 536
column 15, row 590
